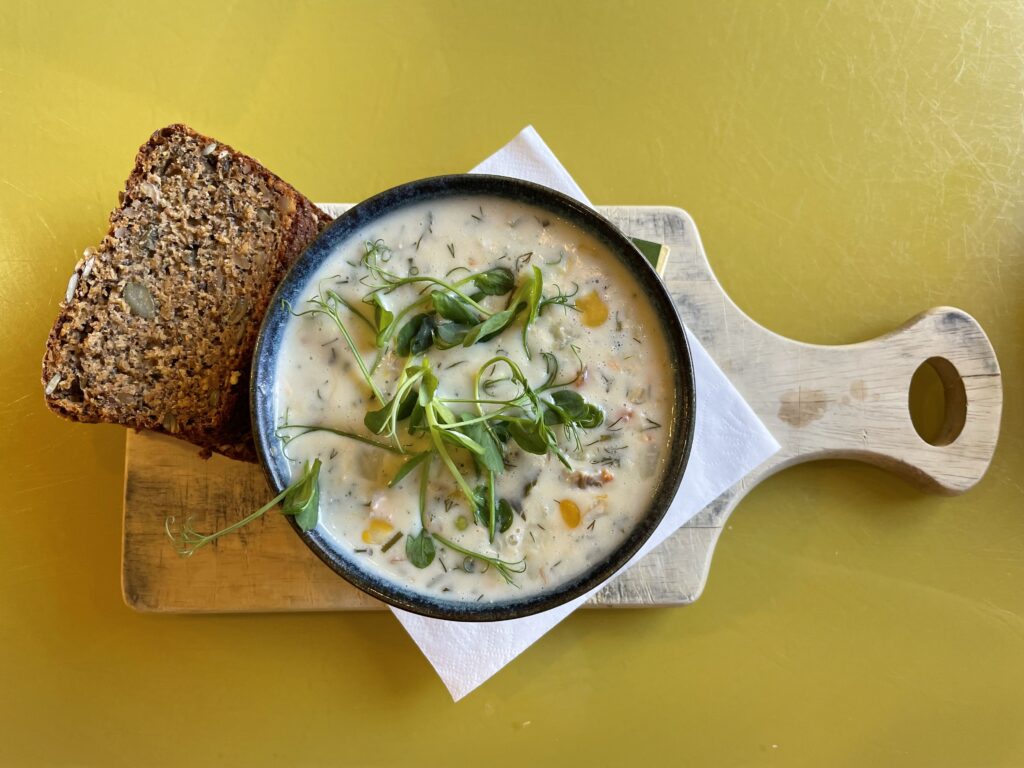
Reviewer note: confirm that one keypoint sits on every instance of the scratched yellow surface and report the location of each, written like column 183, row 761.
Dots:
column 849, row 164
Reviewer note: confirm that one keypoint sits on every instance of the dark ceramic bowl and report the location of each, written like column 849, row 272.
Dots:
column 295, row 289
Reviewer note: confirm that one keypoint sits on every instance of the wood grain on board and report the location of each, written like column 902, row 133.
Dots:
column 849, row 401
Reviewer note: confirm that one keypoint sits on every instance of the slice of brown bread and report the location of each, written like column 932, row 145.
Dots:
column 158, row 325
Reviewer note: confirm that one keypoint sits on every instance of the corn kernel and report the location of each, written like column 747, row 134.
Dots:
column 592, row 309
column 377, row 531
column 570, row 512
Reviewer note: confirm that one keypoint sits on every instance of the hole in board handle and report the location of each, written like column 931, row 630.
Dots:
column 938, row 401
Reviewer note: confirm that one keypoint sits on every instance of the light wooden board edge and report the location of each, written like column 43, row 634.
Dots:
column 847, row 401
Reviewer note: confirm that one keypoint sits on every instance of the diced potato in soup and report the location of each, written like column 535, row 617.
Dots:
column 597, row 366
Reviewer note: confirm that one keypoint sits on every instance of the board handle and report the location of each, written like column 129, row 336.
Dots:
column 862, row 409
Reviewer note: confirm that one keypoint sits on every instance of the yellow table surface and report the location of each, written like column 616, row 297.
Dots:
column 849, row 164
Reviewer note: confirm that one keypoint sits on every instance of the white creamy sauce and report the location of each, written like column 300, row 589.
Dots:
column 566, row 521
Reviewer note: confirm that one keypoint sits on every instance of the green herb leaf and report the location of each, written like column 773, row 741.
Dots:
column 481, row 512
column 424, row 336
column 377, row 421
column 448, row 335
column 417, row 419
column 456, row 437
column 491, row 459
column 451, row 307
column 520, row 298
column 495, row 282
column 309, row 514
column 568, row 407
column 480, row 505
column 407, row 405
column 409, row 466
column 303, row 498
column 533, row 297
column 531, row 436
column 385, row 419
column 504, row 515
column 420, row 549
column 570, row 402
column 500, row 431
column 445, row 413
column 490, row 327
column 592, row 417
column 382, row 319
column 428, row 386
column 416, row 336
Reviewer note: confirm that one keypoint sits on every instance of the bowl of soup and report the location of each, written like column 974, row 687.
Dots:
column 484, row 391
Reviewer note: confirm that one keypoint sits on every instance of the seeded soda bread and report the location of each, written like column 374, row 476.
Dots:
column 157, row 328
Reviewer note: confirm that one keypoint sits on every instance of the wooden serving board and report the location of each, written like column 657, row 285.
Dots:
column 847, row 401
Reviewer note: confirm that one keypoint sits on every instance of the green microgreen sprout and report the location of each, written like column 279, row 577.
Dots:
column 507, row 570
column 447, row 314
column 561, row 299
column 326, row 303
column 300, row 499
column 287, row 439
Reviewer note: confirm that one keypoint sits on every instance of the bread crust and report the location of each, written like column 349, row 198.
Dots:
column 98, row 365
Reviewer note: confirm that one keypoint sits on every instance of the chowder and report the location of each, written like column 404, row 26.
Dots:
column 488, row 392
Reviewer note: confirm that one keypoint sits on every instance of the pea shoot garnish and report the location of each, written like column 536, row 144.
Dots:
column 301, row 500
column 468, row 440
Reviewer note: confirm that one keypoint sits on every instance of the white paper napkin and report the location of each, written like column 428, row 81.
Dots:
column 729, row 441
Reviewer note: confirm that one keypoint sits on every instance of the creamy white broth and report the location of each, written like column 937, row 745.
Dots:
column 624, row 356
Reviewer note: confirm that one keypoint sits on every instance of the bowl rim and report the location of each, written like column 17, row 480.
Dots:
column 580, row 215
